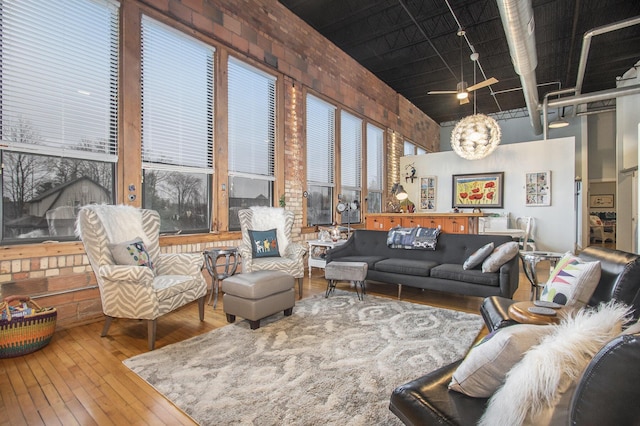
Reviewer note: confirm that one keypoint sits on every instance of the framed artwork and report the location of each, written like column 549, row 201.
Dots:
column 601, row 201
column 428, row 193
column 538, row 189
column 478, row 190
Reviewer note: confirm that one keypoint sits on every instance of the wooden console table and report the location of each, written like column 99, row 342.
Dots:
column 451, row 223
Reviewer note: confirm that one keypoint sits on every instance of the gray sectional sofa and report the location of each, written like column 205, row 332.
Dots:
column 439, row 269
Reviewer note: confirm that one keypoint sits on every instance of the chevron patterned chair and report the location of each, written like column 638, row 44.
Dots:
column 291, row 255
column 135, row 280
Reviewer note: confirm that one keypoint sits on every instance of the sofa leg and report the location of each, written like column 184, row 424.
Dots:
column 231, row 318
column 254, row 324
column 399, row 290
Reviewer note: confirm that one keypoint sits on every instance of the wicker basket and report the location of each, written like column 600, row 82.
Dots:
column 26, row 334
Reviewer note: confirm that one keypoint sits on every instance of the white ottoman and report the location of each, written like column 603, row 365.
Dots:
column 257, row 295
column 346, row 271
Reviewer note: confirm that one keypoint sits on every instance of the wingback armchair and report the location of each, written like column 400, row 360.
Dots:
column 291, row 259
column 135, row 280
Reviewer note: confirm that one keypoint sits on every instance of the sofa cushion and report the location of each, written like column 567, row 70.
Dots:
column 478, row 256
column 405, row 266
column 501, row 255
column 369, row 260
column 450, row 271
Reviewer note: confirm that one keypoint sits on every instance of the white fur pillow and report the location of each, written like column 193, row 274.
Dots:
column 537, row 383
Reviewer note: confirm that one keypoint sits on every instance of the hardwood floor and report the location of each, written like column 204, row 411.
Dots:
column 79, row 378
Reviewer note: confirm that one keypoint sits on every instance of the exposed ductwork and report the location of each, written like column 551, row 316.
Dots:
column 519, row 27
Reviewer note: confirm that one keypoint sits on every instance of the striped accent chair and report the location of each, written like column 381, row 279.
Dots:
column 291, row 259
column 132, row 291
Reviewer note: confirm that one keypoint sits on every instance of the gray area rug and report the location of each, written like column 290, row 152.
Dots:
column 334, row 361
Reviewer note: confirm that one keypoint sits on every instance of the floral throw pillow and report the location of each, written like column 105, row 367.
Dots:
column 264, row 243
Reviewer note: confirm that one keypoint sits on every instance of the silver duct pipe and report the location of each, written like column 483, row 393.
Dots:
column 519, row 26
column 602, row 95
column 586, row 44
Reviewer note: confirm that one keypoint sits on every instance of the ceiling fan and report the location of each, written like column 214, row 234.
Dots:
column 462, row 90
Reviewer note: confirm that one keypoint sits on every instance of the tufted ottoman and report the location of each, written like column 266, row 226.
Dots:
column 256, row 295
column 346, row 271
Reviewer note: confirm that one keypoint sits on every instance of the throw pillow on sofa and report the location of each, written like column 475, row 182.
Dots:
column 547, row 371
column 500, row 255
column 413, row 238
column 572, row 282
column 478, row 256
column 484, row 368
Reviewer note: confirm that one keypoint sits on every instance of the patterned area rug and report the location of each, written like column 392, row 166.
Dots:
column 334, row 361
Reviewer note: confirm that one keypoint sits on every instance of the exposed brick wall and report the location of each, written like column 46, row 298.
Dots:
column 267, row 32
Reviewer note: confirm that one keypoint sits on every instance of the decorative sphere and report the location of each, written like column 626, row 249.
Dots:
column 475, row 136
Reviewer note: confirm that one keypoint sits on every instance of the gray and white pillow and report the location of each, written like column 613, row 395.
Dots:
column 478, row 256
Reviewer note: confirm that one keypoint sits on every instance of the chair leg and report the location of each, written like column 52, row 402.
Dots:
column 300, row 287
column 201, row 307
column 107, row 324
column 151, row 333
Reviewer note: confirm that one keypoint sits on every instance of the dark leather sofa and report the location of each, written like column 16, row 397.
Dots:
column 619, row 280
column 439, row 269
column 608, row 391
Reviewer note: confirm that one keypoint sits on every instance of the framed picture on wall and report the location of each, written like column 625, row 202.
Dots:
column 601, row 201
column 478, row 190
column 428, row 193
column 538, row 188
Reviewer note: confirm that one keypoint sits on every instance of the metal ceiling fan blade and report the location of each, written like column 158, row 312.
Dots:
column 487, row 82
column 464, row 101
column 441, row 92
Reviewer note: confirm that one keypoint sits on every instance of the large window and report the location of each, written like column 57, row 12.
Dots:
column 375, row 138
column 252, row 136
column 177, row 127
column 59, row 83
column 350, row 164
column 320, row 160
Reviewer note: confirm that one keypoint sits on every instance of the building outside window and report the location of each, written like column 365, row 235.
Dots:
column 350, row 165
column 177, row 127
column 252, row 137
column 320, row 160
column 375, row 143
column 58, row 113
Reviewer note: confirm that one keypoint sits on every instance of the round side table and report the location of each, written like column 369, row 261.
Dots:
column 519, row 312
column 220, row 271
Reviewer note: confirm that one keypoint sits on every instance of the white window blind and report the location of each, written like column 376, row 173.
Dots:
column 177, row 100
column 60, row 77
column 252, row 120
column 350, row 151
column 409, row 148
column 375, row 137
column 320, row 141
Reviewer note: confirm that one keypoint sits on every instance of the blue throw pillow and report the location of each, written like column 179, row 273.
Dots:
column 264, row 243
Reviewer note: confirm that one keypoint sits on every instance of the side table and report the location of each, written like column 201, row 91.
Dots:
column 519, row 312
column 530, row 260
column 317, row 249
column 220, row 271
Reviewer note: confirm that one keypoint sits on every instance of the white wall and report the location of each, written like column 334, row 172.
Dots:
column 555, row 224
column 627, row 121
